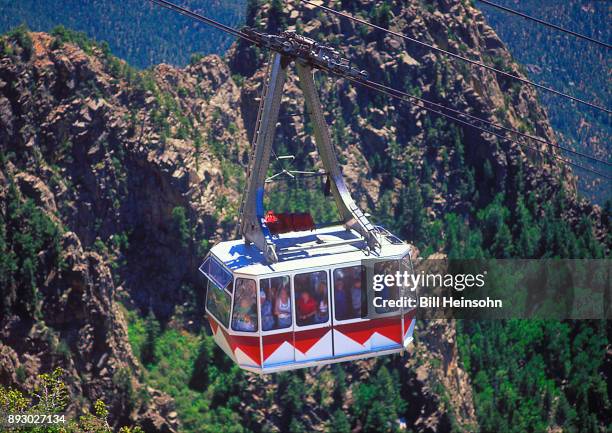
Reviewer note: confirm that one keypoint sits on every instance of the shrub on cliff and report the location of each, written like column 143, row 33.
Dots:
column 27, row 237
column 50, row 397
column 20, row 35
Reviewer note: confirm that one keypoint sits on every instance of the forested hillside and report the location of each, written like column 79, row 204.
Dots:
column 145, row 35
column 115, row 182
column 137, row 31
column 571, row 65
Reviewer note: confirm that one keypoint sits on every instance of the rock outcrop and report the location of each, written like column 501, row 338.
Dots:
column 110, row 154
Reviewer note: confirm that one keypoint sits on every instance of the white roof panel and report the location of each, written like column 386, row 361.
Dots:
column 304, row 250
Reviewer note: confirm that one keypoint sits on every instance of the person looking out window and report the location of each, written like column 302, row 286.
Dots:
column 306, row 308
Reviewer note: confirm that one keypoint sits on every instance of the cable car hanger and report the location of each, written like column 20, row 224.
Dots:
column 294, row 175
column 307, row 54
column 291, row 174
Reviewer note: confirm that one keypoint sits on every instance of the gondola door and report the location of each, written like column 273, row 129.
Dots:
column 386, row 321
column 313, row 334
column 352, row 329
column 275, row 306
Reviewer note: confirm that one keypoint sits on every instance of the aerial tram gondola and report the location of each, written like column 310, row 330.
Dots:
column 290, row 294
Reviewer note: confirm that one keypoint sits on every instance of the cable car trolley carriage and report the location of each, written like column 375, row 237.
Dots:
column 290, row 294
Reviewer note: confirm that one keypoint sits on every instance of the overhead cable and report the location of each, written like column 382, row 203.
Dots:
column 459, row 57
column 546, row 23
column 382, row 89
column 405, row 96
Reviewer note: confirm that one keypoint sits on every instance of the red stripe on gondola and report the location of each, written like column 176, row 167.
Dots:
column 362, row 331
column 228, row 338
column 358, row 331
column 213, row 325
column 274, row 341
column 304, row 340
column 407, row 324
column 248, row 345
column 390, row 327
column 409, row 315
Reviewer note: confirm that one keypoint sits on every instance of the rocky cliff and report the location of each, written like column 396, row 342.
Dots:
column 141, row 171
column 383, row 142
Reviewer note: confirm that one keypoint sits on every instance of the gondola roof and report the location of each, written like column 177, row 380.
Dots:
column 303, row 250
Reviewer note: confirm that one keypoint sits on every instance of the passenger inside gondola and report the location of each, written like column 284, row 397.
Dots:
column 244, row 317
column 282, row 309
column 311, row 298
column 340, row 296
column 275, row 303
column 306, row 308
column 348, row 293
column 356, row 296
column 322, row 311
column 267, row 318
column 243, row 320
column 321, row 295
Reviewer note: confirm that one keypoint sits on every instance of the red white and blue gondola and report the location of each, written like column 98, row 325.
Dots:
column 309, row 308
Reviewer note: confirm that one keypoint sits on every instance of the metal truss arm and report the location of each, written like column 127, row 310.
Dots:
column 251, row 219
column 350, row 213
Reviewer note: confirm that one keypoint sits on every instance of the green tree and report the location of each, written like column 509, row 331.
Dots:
column 377, row 404
column 526, row 232
column 27, row 236
column 340, row 387
column 462, row 242
column 122, row 379
column 339, row 422
column 147, row 352
column 381, row 14
column 181, row 225
column 21, row 36
column 410, row 212
column 201, row 366
column 493, row 222
column 276, row 17
column 292, row 391
column 50, row 396
column 588, row 245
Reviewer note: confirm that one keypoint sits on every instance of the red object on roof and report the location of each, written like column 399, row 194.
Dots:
column 289, row 222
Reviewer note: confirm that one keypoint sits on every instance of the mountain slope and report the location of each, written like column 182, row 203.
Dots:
column 571, row 65
column 145, row 170
column 142, row 33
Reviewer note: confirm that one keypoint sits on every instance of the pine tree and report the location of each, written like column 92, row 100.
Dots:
column 296, row 426
column 381, row 15
column 181, row 225
column 502, row 247
column 378, row 403
column 201, row 366
column 526, row 232
column 462, row 242
column 411, row 217
column 8, row 267
column 276, row 18
column 147, row 351
column 339, row 422
column 339, row 386
column 495, row 231
column 588, row 244
column 27, row 234
column 292, row 391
